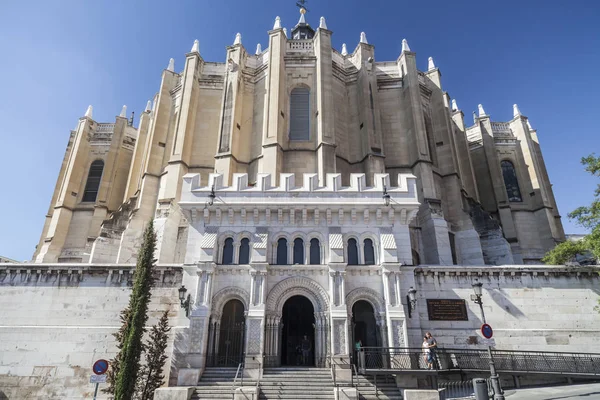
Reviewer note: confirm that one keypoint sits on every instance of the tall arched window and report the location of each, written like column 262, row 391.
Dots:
column 298, row 251
column 510, row 181
column 282, row 251
column 93, row 181
column 300, row 114
column 352, row 252
column 228, row 251
column 369, row 252
column 315, row 252
column 244, row 257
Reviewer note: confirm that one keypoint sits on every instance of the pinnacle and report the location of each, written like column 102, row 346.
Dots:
column 148, row 106
column 430, row 64
column 516, row 111
column 195, row 47
column 363, row 38
column 405, row 45
column 454, row 105
column 88, row 112
column 277, row 24
column 481, row 111
column 171, row 66
column 258, row 49
column 344, row 50
column 322, row 23
column 123, row 112
column 238, row 39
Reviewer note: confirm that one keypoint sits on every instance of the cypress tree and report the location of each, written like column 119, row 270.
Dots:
column 113, row 371
column 151, row 376
column 130, row 354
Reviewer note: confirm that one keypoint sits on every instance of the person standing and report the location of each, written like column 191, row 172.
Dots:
column 306, row 347
column 432, row 347
column 426, row 353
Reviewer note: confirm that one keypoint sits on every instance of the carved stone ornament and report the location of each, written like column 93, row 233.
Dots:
column 297, row 286
column 367, row 294
column 229, row 293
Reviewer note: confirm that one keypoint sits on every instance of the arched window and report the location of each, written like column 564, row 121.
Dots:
column 298, row 251
column 315, row 252
column 93, row 181
column 244, row 257
column 228, row 252
column 369, row 252
column 510, row 181
column 300, row 114
column 352, row 252
column 282, row 251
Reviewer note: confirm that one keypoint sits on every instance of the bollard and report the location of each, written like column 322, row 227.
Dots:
column 480, row 388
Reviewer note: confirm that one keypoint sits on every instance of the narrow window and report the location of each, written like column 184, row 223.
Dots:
column 228, row 251
column 244, row 257
column 226, row 123
column 315, row 252
column 300, row 114
column 510, row 181
column 298, row 251
column 369, row 252
column 352, row 252
column 282, row 252
column 93, row 181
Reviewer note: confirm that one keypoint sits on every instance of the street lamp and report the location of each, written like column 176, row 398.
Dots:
column 411, row 298
column 477, row 299
column 386, row 196
column 183, row 301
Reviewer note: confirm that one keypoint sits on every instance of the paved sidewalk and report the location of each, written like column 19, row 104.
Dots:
column 571, row 392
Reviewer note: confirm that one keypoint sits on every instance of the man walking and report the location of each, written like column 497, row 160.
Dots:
column 432, row 347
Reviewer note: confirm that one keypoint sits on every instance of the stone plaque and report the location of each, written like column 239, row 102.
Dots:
column 447, row 310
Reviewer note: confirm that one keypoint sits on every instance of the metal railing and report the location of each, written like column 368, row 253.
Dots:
column 512, row 361
column 460, row 389
column 237, row 373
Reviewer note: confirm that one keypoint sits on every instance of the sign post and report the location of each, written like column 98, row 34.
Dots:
column 100, row 367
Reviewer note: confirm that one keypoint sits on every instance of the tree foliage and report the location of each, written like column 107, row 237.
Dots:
column 586, row 216
column 113, row 371
column 151, row 376
column 133, row 331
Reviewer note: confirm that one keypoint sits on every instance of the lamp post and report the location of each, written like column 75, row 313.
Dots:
column 411, row 298
column 183, row 301
column 498, row 393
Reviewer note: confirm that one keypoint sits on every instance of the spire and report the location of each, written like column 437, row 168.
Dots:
column 148, row 106
column 258, row 49
column 196, row 47
column 430, row 64
column 344, row 50
column 238, row 39
column 405, row 46
column 302, row 20
column 322, row 23
column 88, row 112
column 363, row 38
column 123, row 112
column 481, row 111
column 277, row 24
column 454, row 105
column 516, row 111
column 171, row 66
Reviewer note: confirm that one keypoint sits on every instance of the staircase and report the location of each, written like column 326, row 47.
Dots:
column 386, row 388
column 216, row 384
column 296, row 384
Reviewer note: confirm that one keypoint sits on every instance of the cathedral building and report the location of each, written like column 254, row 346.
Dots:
column 291, row 185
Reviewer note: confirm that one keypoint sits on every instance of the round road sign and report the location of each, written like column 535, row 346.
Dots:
column 487, row 331
column 100, row 367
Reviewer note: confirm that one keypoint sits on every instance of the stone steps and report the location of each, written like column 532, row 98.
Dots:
column 217, row 383
column 386, row 388
column 296, row 383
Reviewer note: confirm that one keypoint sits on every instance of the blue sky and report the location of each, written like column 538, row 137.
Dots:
column 60, row 56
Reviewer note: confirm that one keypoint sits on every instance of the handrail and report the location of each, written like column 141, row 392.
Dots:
column 240, row 366
column 354, row 372
column 332, row 367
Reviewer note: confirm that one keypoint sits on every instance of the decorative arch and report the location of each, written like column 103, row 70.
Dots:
column 226, row 294
column 367, row 294
column 297, row 286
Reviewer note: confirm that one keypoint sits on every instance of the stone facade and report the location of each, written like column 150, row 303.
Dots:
column 296, row 180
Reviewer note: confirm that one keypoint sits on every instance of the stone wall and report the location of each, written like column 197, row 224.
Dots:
column 58, row 319
column 544, row 308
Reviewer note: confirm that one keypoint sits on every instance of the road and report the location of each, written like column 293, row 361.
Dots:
column 571, row 392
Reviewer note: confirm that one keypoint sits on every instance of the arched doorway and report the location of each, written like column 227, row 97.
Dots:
column 298, row 333
column 364, row 327
column 226, row 336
